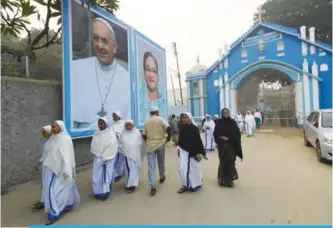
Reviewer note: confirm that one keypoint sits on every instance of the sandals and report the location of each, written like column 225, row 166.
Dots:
column 182, row 190
column 48, row 222
column 38, row 206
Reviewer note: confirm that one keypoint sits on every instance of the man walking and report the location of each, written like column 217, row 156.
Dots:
column 156, row 133
column 174, row 129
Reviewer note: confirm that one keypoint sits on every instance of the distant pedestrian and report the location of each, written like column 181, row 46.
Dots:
column 250, row 124
column 46, row 132
column 174, row 129
column 258, row 119
column 240, row 121
column 190, row 149
column 216, row 118
column 156, row 132
column 208, row 128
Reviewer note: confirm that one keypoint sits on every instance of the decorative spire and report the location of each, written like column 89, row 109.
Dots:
column 198, row 59
column 259, row 13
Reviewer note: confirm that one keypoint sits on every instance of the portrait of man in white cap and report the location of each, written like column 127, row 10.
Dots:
column 99, row 84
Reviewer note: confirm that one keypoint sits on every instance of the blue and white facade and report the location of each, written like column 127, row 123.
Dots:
column 306, row 62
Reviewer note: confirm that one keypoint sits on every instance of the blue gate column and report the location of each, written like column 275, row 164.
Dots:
column 189, row 95
column 315, row 86
column 233, row 102
column 306, row 88
column 222, row 94
column 226, row 91
column 201, row 98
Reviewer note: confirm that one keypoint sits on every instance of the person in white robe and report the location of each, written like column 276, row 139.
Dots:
column 240, row 121
column 258, row 119
column 59, row 184
column 46, row 132
column 132, row 145
column 250, row 124
column 99, row 84
column 208, row 128
column 190, row 149
column 104, row 147
column 118, row 126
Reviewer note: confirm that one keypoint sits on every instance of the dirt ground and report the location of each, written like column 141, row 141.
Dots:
column 281, row 182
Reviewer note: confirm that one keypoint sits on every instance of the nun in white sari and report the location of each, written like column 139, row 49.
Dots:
column 132, row 145
column 59, row 186
column 250, row 124
column 46, row 131
column 104, row 147
column 190, row 149
column 208, row 128
column 240, row 121
column 118, row 126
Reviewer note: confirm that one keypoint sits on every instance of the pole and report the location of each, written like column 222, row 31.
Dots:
column 173, row 88
column 179, row 79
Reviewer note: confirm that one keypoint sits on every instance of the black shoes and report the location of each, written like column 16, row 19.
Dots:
column 162, row 180
column 153, row 191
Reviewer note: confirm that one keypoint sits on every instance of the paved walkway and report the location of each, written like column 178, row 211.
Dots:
column 280, row 182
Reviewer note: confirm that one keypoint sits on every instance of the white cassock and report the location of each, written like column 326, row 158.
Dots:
column 59, row 185
column 250, row 124
column 240, row 122
column 208, row 127
column 104, row 147
column 189, row 170
column 93, row 84
column 132, row 145
column 119, row 166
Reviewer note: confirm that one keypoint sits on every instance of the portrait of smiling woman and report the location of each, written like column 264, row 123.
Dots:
column 152, row 86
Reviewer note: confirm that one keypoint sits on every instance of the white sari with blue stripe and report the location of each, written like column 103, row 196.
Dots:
column 104, row 147
column 208, row 128
column 189, row 171
column 59, row 186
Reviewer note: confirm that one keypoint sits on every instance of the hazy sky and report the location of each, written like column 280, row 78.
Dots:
column 199, row 27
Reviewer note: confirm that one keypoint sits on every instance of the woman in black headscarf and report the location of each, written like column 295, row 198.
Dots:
column 228, row 139
column 190, row 149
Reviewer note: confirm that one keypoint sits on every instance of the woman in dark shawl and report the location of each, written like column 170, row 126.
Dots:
column 190, row 147
column 228, row 139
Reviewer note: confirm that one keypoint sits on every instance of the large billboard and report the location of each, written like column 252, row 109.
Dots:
column 108, row 67
column 150, row 75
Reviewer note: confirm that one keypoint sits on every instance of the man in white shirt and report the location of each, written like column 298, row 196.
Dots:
column 99, row 84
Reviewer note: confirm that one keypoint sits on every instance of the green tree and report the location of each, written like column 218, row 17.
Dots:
column 15, row 16
column 296, row 13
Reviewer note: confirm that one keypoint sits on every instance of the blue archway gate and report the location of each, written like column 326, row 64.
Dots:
column 272, row 93
column 266, row 47
column 294, row 111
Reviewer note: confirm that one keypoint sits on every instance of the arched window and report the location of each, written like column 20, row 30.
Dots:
column 244, row 53
column 195, row 89
column 280, row 46
column 324, row 67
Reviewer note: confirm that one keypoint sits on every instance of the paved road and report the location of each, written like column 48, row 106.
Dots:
column 280, row 182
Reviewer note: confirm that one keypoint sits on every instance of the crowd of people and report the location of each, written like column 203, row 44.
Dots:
column 118, row 149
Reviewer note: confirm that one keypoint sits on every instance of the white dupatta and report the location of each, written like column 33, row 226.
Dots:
column 60, row 157
column 132, row 145
column 209, row 123
column 104, row 143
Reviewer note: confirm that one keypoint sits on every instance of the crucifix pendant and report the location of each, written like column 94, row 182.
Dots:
column 102, row 112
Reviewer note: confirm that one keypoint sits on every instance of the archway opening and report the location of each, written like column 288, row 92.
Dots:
column 271, row 92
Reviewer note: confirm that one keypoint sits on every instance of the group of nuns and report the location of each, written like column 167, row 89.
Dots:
column 119, row 149
column 116, row 150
